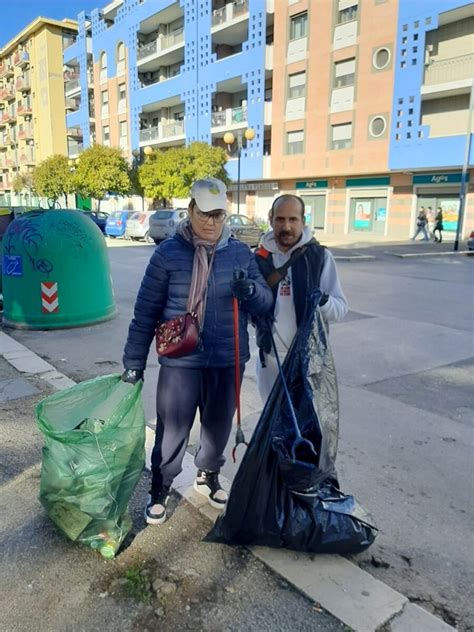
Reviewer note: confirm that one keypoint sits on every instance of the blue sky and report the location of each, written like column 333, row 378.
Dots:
column 16, row 14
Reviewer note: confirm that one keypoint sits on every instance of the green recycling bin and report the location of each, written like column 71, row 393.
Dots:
column 55, row 272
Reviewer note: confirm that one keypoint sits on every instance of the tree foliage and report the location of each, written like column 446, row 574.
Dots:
column 101, row 170
column 52, row 177
column 170, row 173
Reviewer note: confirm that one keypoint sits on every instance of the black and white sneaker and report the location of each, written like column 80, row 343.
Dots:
column 155, row 511
column 207, row 484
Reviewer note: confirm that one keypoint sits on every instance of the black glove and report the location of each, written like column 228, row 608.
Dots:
column 324, row 299
column 242, row 288
column 132, row 376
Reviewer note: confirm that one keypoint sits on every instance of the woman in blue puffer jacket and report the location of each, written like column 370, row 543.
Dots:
column 195, row 266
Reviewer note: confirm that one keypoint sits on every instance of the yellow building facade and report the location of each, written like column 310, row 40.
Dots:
column 32, row 122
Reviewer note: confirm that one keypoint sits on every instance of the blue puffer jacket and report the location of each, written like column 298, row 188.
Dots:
column 164, row 293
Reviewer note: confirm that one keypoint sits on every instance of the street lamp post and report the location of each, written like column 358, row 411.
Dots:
column 229, row 140
column 138, row 158
column 72, row 164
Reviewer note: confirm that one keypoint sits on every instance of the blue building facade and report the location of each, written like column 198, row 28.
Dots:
column 195, row 69
column 433, row 78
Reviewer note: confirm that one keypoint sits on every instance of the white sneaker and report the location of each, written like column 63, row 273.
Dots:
column 155, row 511
column 207, row 484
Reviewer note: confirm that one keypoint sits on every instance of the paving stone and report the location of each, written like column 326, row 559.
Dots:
column 415, row 618
column 57, row 380
column 8, row 344
column 16, row 388
column 342, row 588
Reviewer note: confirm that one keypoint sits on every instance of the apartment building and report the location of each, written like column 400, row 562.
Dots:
column 319, row 82
column 32, row 124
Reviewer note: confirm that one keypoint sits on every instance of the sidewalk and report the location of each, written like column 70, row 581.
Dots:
column 167, row 576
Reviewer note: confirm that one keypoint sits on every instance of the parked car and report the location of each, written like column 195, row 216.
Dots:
column 245, row 229
column 470, row 241
column 163, row 222
column 138, row 226
column 117, row 222
column 98, row 217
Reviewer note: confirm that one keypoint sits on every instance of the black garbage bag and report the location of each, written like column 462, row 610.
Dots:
column 287, row 497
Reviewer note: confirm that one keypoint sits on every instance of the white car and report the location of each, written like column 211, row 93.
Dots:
column 138, row 226
column 163, row 222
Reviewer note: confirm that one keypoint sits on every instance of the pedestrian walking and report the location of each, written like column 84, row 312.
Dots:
column 421, row 225
column 430, row 214
column 294, row 264
column 438, row 225
column 193, row 273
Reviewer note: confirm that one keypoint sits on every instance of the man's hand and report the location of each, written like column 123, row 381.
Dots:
column 242, row 289
column 132, row 376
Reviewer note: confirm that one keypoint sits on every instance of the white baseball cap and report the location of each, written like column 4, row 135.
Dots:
column 210, row 194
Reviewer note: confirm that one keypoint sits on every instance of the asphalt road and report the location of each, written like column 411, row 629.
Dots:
column 404, row 357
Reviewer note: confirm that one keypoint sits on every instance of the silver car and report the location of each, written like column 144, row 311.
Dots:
column 163, row 222
column 138, row 226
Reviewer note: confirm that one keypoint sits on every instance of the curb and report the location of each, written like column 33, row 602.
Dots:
column 355, row 257
column 350, row 594
column 403, row 255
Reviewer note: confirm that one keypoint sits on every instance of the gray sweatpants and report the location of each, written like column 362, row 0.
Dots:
column 180, row 393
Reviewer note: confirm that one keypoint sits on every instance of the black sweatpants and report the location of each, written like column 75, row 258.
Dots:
column 180, row 393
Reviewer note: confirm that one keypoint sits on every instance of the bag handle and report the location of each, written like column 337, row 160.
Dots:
column 278, row 274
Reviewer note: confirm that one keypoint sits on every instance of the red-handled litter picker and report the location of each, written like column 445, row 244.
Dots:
column 239, row 433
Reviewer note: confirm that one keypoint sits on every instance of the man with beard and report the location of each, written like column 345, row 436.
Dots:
column 294, row 265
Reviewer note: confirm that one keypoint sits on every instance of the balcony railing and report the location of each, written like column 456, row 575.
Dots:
column 70, row 86
column 229, row 12
column 25, row 132
column 21, row 58
column 231, row 116
column 23, row 83
column 27, row 158
column 7, row 94
column 447, row 70
column 74, row 149
column 24, row 108
column 75, row 132
column 6, row 70
column 161, row 44
column 163, row 131
column 72, row 105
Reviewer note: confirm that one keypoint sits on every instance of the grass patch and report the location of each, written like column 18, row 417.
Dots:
column 137, row 586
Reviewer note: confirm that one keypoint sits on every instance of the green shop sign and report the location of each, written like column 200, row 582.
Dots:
column 383, row 181
column 438, row 178
column 312, row 184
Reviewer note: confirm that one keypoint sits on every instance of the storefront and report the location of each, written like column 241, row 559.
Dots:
column 314, row 195
column 438, row 190
column 368, row 205
column 255, row 198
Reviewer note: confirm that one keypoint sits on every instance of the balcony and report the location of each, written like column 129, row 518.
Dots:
column 229, row 119
column 27, row 158
column 222, row 18
column 74, row 149
column 7, row 93
column 164, row 133
column 72, row 87
column 448, row 77
column 74, row 132
column 8, row 117
column 6, row 70
column 21, row 58
column 25, row 132
column 24, row 109
column 166, row 48
column 23, row 83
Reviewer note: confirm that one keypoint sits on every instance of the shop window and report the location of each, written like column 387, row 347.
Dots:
column 368, row 214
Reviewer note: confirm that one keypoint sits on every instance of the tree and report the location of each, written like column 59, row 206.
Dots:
column 170, row 173
column 52, row 177
column 102, row 170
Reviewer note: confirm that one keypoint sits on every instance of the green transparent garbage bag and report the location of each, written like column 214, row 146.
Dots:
column 93, row 456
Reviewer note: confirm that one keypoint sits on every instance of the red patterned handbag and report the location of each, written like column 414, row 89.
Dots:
column 178, row 336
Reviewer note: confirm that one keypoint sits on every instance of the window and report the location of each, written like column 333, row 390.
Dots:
column 103, row 67
column 299, row 26
column 295, row 142
column 122, row 98
column 381, row 58
column 377, row 126
column 297, row 85
column 347, row 14
column 106, row 135
column 341, row 137
column 123, row 129
column 121, row 59
column 344, row 73
column 104, row 99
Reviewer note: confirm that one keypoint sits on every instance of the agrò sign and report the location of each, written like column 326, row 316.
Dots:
column 438, row 178
column 312, row 184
